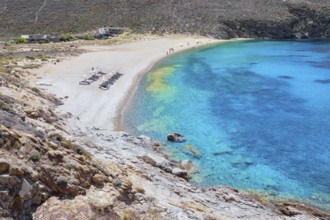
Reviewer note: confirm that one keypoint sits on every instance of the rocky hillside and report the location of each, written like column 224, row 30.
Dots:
column 217, row 18
column 49, row 170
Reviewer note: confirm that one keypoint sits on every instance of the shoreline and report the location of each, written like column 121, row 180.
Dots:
column 136, row 81
column 104, row 109
column 257, row 195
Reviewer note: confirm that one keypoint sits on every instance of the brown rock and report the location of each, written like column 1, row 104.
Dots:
column 149, row 160
column 99, row 179
column 126, row 185
column 16, row 171
column 8, row 180
column 53, row 145
column 4, row 166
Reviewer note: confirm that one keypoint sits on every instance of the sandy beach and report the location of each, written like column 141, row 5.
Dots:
column 94, row 107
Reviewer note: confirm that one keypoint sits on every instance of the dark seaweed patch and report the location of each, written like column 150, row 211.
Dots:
column 323, row 81
column 285, row 77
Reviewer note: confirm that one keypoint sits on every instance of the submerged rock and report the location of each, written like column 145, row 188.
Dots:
column 223, row 150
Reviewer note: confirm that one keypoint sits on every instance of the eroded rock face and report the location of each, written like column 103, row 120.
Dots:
column 26, row 183
column 31, row 170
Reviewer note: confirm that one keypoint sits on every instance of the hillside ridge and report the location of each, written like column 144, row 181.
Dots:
column 216, row 18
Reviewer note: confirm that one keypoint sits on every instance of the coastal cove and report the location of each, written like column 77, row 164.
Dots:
column 95, row 115
column 165, row 110
column 254, row 114
column 133, row 58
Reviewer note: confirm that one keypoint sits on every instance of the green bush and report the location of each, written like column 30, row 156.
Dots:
column 66, row 37
column 56, row 137
column 35, row 155
column 20, row 40
column 87, row 37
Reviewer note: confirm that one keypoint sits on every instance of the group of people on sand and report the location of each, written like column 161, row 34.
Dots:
column 171, row 50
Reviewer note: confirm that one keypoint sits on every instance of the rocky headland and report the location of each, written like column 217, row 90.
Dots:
column 52, row 169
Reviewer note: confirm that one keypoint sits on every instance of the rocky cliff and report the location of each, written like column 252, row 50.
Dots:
column 49, row 170
column 217, row 18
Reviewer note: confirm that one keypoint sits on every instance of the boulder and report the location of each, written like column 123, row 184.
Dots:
column 148, row 160
column 16, row 171
column 99, row 179
column 186, row 164
column 26, row 189
column 4, row 166
column 56, row 154
column 101, row 200
column 180, row 173
column 176, row 137
column 41, row 133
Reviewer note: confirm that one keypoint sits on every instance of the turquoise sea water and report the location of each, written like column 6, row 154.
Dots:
column 256, row 115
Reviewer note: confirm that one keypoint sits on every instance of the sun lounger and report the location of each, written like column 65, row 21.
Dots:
column 110, row 81
column 92, row 78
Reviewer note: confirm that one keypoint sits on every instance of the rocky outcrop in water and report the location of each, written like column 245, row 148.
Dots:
column 175, row 137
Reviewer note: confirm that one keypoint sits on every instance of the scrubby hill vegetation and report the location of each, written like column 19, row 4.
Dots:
column 218, row 18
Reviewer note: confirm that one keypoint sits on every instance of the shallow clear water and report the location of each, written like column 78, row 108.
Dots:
column 256, row 114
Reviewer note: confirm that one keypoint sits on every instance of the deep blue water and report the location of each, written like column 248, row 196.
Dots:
column 257, row 112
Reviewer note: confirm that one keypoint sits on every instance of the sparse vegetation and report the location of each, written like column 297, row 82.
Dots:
column 66, row 37
column 86, row 37
column 69, row 145
column 220, row 18
column 35, row 155
column 56, row 137
column 20, row 40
